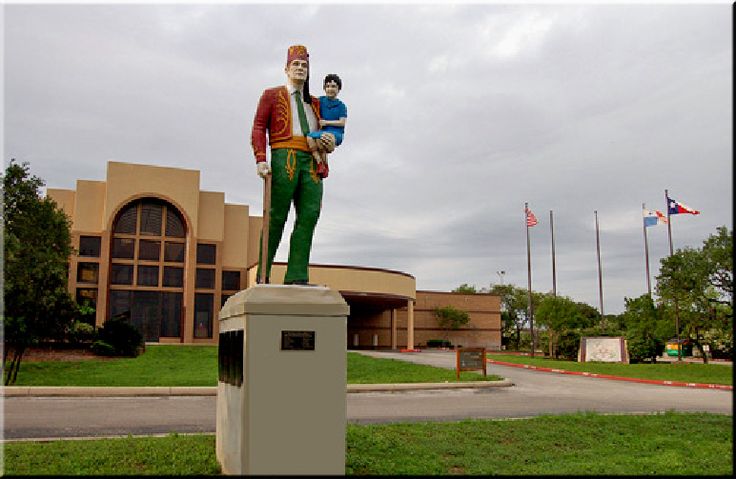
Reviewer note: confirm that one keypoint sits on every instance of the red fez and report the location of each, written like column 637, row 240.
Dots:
column 297, row 52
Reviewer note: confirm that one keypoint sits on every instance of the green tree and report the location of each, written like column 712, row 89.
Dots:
column 718, row 257
column 466, row 289
column 450, row 317
column 698, row 283
column 514, row 312
column 559, row 315
column 37, row 246
column 592, row 315
column 647, row 328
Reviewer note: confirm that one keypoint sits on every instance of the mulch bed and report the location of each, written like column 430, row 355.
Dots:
column 34, row 354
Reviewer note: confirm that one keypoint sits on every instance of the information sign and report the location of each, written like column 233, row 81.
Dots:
column 469, row 359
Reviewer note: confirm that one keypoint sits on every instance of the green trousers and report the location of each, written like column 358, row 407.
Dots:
column 294, row 179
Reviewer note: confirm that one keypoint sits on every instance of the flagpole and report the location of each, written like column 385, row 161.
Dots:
column 529, row 276
column 600, row 274
column 646, row 250
column 669, row 223
column 677, row 308
column 554, row 275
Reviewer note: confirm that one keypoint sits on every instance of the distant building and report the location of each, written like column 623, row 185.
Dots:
column 154, row 248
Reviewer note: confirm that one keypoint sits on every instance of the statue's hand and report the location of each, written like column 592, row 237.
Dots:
column 263, row 169
column 327, row 141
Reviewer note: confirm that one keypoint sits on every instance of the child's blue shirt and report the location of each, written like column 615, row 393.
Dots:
column 331, row 109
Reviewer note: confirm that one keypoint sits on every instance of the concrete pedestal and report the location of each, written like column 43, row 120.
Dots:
column 281, row 404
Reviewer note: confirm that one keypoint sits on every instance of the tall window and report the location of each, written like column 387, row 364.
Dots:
column 203, row 309
column 230, row 285
column 204, row 284
column 147, row 267
column 88, row 272
column 89, row 246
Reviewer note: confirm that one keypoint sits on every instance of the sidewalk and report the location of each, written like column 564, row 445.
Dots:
column 79, row 391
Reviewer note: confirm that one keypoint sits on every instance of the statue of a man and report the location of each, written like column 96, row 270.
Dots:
column 287, row 114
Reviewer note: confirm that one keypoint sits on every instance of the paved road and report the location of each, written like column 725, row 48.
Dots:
column 534, row 393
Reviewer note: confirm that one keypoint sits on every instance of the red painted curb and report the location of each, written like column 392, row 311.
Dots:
column 411, row 350
column 615, row 378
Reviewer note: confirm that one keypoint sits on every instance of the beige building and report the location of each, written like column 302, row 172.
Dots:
column 155, row 249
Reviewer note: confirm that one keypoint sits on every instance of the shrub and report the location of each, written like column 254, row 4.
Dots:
column 438, row 343
column 643, row 349
column 525, row 340
column 101, row 348
column 80, row 332
column 568, row 344
column 121, row 335
column 86, row 313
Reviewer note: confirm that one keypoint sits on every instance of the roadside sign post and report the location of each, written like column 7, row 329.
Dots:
column 470, row 359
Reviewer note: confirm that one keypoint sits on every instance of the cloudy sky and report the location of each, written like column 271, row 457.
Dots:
column 458, row 115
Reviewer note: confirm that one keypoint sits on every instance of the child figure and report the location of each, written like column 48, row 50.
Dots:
column 334, row 114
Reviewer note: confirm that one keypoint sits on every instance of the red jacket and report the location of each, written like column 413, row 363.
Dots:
column 274, row 115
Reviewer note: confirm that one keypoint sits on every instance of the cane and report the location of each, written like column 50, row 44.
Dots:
column 264, row 232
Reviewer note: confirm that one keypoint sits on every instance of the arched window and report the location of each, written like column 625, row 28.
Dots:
column 147, row 254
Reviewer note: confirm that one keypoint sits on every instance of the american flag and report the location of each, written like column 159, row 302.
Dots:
column 531, row 220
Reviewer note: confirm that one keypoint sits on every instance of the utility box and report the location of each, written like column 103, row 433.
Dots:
column 281, row 393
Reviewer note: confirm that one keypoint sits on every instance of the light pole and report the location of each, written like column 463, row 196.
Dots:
column 500, row 275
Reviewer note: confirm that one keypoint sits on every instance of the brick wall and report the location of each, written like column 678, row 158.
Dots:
column 483, row 330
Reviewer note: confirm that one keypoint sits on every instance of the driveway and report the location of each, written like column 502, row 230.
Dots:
column 533, row 393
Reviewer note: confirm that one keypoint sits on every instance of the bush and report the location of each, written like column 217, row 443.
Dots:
column 644, row 349
column 568, row 344
column 80, row 332
column 525, row 340
column 122, row 336
column 439, row 343
column 542, row 341
column 86, row 313
column 101, row 348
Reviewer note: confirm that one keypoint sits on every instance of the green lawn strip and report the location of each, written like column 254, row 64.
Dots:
column 171, row 455
column 170, row 365
column 366, row 370
column 559, row 445
column 578, row 444
column 684, row 372
column 158, row 366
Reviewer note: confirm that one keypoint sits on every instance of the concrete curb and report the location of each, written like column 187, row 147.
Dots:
column 615, row 378
column 92, row 391
column 362, row 388
column 79, row 391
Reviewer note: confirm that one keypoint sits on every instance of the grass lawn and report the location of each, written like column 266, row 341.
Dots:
column 580, row 444
column 167, row 365
column 158, row 366
column 367, row 370
column 685, row 372
column 173, row 365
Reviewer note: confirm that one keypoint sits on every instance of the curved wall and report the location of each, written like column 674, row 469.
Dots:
column 356, row 279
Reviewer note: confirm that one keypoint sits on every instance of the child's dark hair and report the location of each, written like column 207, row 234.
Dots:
column 335, row 78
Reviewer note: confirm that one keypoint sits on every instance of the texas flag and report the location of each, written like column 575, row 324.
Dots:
column 654, row 218
column 675, row 208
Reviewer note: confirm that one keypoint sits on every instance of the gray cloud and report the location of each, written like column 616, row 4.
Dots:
column 458, row 114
